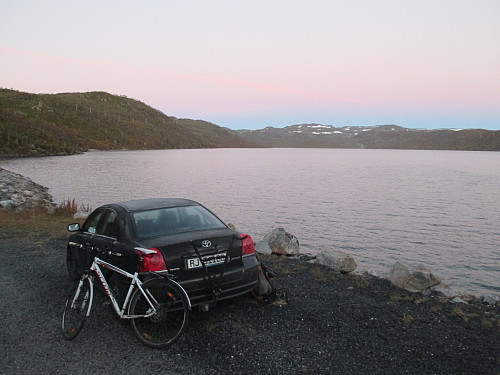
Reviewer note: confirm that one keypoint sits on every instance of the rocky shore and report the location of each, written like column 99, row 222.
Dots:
column 19, row 192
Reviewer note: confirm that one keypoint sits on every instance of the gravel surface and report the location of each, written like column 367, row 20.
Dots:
column 331, row 324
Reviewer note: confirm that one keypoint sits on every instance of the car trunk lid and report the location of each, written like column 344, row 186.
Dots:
column 192, row 255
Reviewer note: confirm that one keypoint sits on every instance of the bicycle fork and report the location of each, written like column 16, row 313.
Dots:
column 87, row 298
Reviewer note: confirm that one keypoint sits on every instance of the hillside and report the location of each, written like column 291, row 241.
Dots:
column 382, row 137
column 58, row 124
column 68, row 123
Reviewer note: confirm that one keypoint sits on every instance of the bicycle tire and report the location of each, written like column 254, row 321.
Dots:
column 77, row 308
column 165, row 326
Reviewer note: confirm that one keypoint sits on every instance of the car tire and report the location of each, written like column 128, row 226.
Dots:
column 72, row 264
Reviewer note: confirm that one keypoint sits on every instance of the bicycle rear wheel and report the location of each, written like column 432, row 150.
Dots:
column 77, row 308
column 166, row 325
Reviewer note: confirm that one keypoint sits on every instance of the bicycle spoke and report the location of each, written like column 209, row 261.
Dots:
column 169, row 319
column 77, row 308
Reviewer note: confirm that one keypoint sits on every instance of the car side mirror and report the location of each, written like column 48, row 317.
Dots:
column 73, row 227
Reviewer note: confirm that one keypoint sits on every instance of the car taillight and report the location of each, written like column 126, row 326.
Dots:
column 247, row 246
column 153, row 262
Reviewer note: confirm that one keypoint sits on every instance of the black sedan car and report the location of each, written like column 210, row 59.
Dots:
column 210, row 260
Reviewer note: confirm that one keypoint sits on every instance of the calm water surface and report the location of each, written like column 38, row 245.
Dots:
column 438, row 208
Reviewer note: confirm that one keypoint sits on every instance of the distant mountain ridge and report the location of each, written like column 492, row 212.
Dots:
column 68, row 123
column 375, row 137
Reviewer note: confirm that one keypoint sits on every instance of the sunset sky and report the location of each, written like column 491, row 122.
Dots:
column 251, row 64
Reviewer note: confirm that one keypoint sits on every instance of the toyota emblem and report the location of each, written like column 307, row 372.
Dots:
column 206, row 243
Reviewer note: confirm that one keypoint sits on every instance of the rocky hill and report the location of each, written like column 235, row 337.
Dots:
column 58, row 124
column 381, row 137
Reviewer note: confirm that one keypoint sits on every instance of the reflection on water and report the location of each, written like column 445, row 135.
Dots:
column 439, row 208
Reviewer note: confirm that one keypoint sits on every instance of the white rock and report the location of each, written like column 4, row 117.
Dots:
column 263, row 247
column 7, row 204
column 458, row 300
column 446, row 290
column 337, row 260
column 399, row 275
column 490, row 300
column 415, row 280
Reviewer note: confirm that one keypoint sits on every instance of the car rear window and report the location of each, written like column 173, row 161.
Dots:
column 168, row 221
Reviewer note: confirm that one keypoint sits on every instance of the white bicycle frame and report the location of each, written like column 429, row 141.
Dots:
column 135, row 282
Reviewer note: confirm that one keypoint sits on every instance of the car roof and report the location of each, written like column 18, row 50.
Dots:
column 154, row 203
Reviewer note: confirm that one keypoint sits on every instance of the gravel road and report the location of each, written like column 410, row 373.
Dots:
column 331, row 324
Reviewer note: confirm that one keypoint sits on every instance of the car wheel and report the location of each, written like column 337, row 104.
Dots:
column 72, row 265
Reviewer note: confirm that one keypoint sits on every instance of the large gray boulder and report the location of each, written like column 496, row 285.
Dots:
column 280, row 242
column 337, row 260
column 417, row 279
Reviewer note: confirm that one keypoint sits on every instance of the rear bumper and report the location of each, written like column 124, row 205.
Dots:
column 234, row 282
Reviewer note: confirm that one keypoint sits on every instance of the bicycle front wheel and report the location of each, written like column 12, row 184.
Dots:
column 162, row 324
column 77, row 308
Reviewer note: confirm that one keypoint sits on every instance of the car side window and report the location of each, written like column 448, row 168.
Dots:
column 110, row 225
column 91, row 223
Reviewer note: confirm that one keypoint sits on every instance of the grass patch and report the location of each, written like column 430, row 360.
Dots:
column 23, row 225
column 279, row 266
column 436, row 308
column 18, row 223
column 457, row 311
column 418, row 301
column 298, row 268
column 408, row 318
column 69, row 207
column 488, row 323
column 357, row 281
column 400, row 297
column 323, row 274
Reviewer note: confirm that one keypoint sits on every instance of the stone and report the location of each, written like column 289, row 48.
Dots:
column 28, row 193
column 458, row 300
column 445, row 290
column 281, row 242
column 373, row 273
column 337, row 260
column 7, row 204
column 490, row 300
column 421, row 279
column 263, row 247
column 415, row 280
column 399, row 275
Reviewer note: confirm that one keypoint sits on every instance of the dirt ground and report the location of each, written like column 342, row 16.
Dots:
column 331, row 324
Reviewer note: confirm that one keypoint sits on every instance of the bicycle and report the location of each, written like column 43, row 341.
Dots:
column 158, row 308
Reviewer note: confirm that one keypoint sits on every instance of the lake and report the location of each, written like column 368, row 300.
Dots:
column 437, row 208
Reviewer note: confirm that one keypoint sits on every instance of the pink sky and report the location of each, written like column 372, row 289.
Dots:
column 428, row 64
